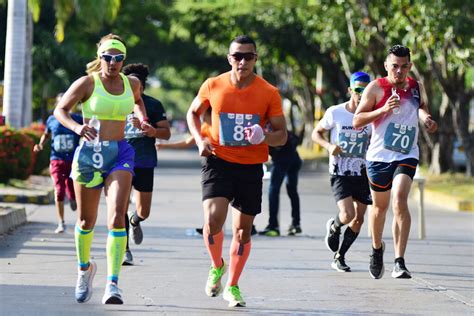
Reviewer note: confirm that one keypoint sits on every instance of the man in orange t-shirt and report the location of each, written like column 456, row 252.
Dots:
column 241, row 103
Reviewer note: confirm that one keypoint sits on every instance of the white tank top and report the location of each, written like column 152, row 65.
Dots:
column 395, row 136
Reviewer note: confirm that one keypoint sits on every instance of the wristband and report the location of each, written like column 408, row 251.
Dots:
column 145, row 119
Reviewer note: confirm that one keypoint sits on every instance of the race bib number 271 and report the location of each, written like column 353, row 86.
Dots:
column 232, row 128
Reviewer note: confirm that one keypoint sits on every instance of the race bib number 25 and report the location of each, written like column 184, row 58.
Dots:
column 232, row 128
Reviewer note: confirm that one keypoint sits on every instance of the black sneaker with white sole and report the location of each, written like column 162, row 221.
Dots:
column 339, row 264
column 332, row 237
column 400, row 271
column 376, row 266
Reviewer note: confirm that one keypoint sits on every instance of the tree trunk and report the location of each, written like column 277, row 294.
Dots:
column 15, row 62
column 27, row 109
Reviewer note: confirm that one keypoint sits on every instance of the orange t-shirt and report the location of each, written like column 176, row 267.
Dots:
column 260, row 101
column 205, row 130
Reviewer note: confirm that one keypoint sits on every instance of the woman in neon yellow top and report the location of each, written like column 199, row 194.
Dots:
column 109, row 95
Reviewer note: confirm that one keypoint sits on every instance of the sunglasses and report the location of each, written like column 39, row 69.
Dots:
column 358, row 90
column 117, row 58
column 246, row 56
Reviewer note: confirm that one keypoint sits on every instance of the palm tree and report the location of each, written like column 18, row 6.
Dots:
column 18, row 77
column 14, row 78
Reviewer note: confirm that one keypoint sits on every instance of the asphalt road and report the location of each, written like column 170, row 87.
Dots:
column 284, row 275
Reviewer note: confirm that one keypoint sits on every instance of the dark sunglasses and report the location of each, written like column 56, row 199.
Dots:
column 358, row 90
column 117, row 58
column 246, row 56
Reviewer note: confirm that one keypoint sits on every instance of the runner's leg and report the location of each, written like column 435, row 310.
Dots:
column 240, row 245
column 401, row 219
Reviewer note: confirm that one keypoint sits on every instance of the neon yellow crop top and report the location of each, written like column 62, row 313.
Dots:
column 108, row 106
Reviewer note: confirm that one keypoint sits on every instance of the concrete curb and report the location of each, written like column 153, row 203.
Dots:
column 41, row 198
column 11, row 217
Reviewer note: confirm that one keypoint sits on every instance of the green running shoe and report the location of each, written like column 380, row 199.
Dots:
column 233, row 296
column 270, row 232
column 213, row 284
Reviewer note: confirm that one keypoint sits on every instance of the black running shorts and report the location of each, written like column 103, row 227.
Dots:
column 357, row 187
column 143, row 179
column 241, row 184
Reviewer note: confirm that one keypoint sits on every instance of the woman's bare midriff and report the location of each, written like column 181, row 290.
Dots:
column 111, row 130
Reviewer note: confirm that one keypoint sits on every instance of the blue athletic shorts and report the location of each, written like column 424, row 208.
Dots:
column 90, row 167
column 381, row 174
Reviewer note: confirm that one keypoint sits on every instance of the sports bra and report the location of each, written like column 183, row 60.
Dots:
column 108, row 106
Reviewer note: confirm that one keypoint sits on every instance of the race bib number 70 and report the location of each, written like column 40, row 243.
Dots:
column 399, row 137
column 232, row 127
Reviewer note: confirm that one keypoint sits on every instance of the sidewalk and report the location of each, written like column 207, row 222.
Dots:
column 284, row 275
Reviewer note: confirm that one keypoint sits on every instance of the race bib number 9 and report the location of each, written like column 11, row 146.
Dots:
column 91, row 160
column 232, row 126
column 353, row 144
column 399, row 137
column 63, row 143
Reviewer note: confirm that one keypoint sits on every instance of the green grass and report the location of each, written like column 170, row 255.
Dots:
column 17, row 183
column 454, row 184
column 312, row 154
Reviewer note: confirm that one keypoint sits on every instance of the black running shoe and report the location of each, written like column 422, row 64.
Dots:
column 332, row 237
column 294, row 229
column 254, row 231
column 135, row 230
column 400, row 271
column 376, row 267
column 339, row 264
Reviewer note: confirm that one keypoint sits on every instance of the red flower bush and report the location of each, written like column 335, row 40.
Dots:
column 40, row 159
column 16, row 154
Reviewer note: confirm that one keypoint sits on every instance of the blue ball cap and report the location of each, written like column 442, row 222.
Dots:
column 359, row 76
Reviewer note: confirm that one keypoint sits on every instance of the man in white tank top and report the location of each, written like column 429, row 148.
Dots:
column 394, row 105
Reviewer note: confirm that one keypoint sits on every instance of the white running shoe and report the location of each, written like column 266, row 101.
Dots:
column 128, row 258
column 112, row 295
column 61, row 228
column 84, row 283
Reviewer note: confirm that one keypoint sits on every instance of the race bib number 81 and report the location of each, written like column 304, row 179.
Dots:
column 399, row 137
column 232, row 126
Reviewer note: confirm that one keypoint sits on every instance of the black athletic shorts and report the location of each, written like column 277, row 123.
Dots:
column 241, row 184
column 356, row 187
column 143, row 179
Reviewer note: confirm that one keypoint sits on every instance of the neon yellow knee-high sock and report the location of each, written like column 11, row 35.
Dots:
column 116, row 243
column 83, row 245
